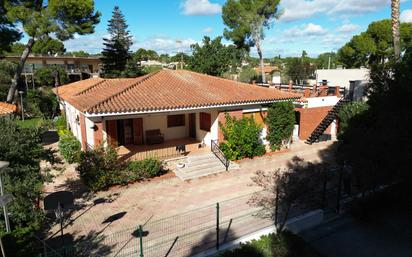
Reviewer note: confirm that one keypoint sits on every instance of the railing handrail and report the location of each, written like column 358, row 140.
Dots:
column 214, row 146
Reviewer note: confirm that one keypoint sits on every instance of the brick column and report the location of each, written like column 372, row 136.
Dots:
column 306, row 92
column 83, row 132
column 337, row 91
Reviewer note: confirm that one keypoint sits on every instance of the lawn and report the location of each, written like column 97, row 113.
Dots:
column 30, row 123
column 272, row 245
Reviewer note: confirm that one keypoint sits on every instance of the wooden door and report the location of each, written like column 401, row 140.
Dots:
column 138, row 131
column 111, row 127
column 192, row 125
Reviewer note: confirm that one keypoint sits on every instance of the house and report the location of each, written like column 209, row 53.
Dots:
column 7, row 110
column 162, row 113
column 77, row 68
column 353, row 80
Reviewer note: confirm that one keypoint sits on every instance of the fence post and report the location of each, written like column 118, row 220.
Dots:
column 276, row 207
column 217, row 225
column 141, row 240
column 339, row 191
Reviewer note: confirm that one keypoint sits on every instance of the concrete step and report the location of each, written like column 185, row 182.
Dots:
column 199, row 157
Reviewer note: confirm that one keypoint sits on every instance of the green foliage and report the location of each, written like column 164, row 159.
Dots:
column 6, row 74
column 116, row 51
column 48, row 46
column 147, row 168
column 41, row 102
column 145, row 55
column 100, row 169
column 242, row 138
column 69, row 146
column 280, row 121
column 214, row 58
column 245, row 20
column 80, row 53
column 285, row 244
column 34, row 123
column 374, row 45
column 349, row 112
column 247, row 75
column 8, row 32
column 45, row 76
column 301, row 68
column 23, row 149
column 323, row 60
column 61, row 123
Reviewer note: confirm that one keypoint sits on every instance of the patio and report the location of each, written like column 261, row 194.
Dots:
column 169, row 149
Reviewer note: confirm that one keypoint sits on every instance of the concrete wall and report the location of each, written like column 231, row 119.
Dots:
column 313, row 102
column 72, row 121
column 341, row 77
column 90, row 133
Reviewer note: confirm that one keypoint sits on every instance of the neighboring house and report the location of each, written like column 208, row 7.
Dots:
column 353, row 80
column 77, row 68
column 160, row 113
column 7, row 110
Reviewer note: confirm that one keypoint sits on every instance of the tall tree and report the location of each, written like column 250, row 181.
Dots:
column 116, row 52
column 49, row 46
column 246, row 21
column 214, row 58
column 8, row 32
column 41, row 18
column 395, row 5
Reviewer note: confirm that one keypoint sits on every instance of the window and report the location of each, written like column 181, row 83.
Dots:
column 205, row 121
column 175, row 120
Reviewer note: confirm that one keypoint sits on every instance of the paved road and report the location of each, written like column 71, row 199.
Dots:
column 388, row 235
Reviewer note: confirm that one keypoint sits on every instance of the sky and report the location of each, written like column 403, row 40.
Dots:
column 171, row 26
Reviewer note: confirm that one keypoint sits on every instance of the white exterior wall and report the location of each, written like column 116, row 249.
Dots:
column 321, row 101
column 341, row 77
column 89, row 133
column 71, row 115
column 207, row 136
column 160, row 122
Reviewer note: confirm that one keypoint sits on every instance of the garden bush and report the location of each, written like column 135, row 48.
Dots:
column 280, row 121
column 61, row 123
column 69, row 146
column 242, row 138
column 285, row 244
column 100, row 169
column 147, row 168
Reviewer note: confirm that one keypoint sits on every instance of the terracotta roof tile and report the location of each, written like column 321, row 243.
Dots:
column 165, row 89
column 6, row 108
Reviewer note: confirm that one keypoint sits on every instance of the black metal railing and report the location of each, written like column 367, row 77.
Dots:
column 214, row 146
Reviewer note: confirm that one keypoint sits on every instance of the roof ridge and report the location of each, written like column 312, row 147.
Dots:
column 125, row 89
column 92, row 86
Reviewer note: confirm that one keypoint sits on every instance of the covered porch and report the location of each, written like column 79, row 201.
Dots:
column 162, row 136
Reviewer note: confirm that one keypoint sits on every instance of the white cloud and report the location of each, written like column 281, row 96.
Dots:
column 305, row 30
column 163, row 44
column 302, row 9
column 90, row 43
column 200, row 7
column 347, row 28
column 406, row 16
column 207, row 30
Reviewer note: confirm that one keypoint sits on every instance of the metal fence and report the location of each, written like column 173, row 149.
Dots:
column 197, row 230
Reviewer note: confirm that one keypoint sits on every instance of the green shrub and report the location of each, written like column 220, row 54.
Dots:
column 242, row 138
column 280, row 121
column 272, row 245
column 41, row 102
column 147, row 168
column 100, row 168
column 61, row 123
column 45, row 76
column 348, row 113
column 69, row 147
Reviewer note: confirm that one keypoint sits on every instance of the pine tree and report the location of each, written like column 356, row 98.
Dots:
column 116, row 52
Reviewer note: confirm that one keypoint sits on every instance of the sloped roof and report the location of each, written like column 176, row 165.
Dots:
column 6, row 108
column 163, row 90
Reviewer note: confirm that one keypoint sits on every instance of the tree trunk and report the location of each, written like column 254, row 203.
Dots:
column 395, row 5
column 17, row 76
column 259, row 50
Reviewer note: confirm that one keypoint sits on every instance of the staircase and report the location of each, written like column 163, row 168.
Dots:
column 324, row 124
column 202, row 165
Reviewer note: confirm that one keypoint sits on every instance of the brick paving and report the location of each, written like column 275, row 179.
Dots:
column 146, row 202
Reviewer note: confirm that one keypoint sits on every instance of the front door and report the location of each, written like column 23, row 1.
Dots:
column 192, row 125
column 138, row 131
column 125, row 132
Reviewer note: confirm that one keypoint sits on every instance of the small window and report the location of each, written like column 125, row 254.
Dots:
column 175, row 120
column 205, row 121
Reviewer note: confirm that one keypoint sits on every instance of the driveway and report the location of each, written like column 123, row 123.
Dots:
column 163, row 197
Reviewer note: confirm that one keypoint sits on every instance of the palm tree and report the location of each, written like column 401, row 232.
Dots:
column 395, row 5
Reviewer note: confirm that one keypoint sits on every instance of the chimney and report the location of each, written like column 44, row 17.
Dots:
column 337, row 91
column 323, row 91
column 306, row 92
column 315, row 90
column 290, row 85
